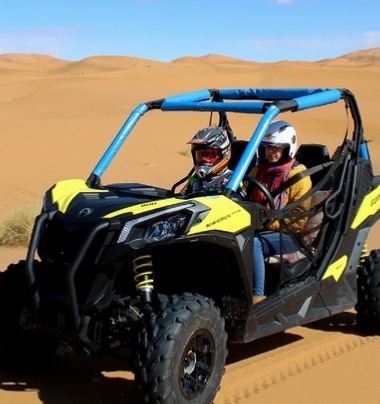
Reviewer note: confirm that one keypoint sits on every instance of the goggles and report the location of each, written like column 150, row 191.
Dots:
column 206, row 156
column 274, row 149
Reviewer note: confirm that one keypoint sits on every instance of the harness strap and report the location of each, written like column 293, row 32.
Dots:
column 291, row 181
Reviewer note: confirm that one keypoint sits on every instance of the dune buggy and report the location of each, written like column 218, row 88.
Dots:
column 109, row 269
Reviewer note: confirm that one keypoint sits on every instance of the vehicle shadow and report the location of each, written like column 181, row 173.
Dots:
column 73, row 380
column 77, row 379
column 343, row 322
column 238, row 352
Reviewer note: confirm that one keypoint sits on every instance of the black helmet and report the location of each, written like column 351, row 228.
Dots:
column 211, row 150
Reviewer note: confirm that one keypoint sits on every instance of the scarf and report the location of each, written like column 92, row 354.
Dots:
column 271, row 177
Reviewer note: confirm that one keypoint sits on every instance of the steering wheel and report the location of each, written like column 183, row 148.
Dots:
column 253, row 182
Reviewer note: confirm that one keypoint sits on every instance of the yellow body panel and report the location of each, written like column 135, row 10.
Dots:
column 65, row 191
column 336, row 269
column 145, row 207
column 369, row 206
column 225, row 215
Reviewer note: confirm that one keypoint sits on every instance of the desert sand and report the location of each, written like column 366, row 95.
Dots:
column 58, row 117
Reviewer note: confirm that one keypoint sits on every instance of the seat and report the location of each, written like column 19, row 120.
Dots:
column 237, row 150
column 311, row 155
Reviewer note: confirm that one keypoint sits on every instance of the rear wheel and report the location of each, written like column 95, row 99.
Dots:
column 368, row 305
column 182, row 353
column 20, row 349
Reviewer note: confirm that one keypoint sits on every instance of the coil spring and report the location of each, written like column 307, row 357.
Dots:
column 142, row 267
column 364, row 254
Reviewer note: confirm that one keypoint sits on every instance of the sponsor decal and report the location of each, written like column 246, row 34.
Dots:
column 369, row 206
column 223, row 218
column 375, row 200
column 144, row 205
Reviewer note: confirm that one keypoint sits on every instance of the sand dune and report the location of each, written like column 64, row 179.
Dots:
column 370, row 56
column 58, row 117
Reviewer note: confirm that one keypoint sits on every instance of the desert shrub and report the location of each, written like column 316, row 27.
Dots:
column 17, row 223
column 185, row 152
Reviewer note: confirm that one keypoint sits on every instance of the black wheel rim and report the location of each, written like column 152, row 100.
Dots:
column 197, row 364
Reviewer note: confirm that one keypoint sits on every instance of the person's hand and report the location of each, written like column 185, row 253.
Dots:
column 224, row 183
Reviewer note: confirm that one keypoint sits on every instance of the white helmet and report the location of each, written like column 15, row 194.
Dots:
column 282, row 134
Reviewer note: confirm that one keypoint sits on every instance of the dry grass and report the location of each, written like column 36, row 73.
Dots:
column 185, row 152
column 17, row 224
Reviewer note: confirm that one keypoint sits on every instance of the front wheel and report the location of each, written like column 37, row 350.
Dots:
column 182, row 352
column 368, row 305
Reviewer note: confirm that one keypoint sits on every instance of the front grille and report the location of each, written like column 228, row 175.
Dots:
column 62, row 244
column 69, row 252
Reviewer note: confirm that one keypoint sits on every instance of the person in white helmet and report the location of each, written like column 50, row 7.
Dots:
column 211, row 152
column 280, row 164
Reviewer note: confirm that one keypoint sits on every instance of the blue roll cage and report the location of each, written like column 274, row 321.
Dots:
column 268, row 102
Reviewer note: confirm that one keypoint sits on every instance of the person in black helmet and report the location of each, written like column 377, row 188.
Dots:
column 211, row 152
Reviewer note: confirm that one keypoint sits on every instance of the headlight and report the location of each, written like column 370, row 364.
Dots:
column 165, row 228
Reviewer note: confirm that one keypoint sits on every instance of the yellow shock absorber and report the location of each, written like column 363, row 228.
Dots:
column 142, row 267
column 364, row 253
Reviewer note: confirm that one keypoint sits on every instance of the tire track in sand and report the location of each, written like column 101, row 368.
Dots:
column 268, row 369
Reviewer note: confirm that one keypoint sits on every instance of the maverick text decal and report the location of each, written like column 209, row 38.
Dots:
column 221, row 219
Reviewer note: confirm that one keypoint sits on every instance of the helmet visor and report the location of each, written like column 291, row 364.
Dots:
column 206, row 156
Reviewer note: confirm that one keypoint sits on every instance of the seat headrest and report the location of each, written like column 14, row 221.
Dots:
column 312, row 154
column 237, row 150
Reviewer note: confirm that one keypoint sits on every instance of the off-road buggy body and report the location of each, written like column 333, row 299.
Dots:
column 114, row 273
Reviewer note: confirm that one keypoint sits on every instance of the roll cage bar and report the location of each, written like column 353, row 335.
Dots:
column 265, row 101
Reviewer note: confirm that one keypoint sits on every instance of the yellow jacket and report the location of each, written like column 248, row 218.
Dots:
column 292, row 194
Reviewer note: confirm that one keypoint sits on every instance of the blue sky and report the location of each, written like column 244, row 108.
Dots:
column 163, row 30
